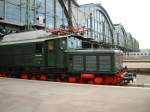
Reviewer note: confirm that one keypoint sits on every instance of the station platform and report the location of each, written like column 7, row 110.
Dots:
column 138, row 67
column 18, row 95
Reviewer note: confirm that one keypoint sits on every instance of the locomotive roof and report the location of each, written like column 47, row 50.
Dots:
column 28, row 37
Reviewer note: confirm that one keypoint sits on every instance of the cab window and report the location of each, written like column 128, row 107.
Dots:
column 51, row 45
column 38, row 48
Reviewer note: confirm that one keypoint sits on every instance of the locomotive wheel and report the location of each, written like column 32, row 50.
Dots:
column 87, row 78
column 33, row 77
column 24, row 76
column 43, row 77
column 8, row 75
column 108, row 80
column 0, row 74
column 98, row 80
column 72, row 79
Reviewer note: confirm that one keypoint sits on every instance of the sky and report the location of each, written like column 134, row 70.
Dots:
column 134, row 15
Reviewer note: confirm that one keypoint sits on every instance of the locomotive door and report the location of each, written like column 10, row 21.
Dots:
column 51, row 53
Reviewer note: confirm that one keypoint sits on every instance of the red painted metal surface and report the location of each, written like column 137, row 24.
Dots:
column 43, row 77
column 87, row 76
column 4, row 74
column 1, row 74
column 72, row 79
column 98, row 80
column 24, row 76
column 114, row 79
column 108, row 79
column 33, row 77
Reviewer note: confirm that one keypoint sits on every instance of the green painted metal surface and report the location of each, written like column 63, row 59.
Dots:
column 93, row 61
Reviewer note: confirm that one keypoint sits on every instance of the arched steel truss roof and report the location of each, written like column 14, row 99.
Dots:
column 122, row 29
column 103, row 11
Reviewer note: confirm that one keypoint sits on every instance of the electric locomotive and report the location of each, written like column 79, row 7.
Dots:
column 43, row 56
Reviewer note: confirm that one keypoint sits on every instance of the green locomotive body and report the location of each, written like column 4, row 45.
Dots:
column 44, row 53
column 44, row 56
column 95, row 61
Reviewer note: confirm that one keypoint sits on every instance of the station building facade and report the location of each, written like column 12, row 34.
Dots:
column 24, row 15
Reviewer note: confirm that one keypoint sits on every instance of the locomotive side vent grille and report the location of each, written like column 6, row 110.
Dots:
column 90, row 63
column 78, row 63
column 104, row 63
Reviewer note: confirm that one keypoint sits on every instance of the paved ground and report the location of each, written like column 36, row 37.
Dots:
column 37, row 96
column 143, row 79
